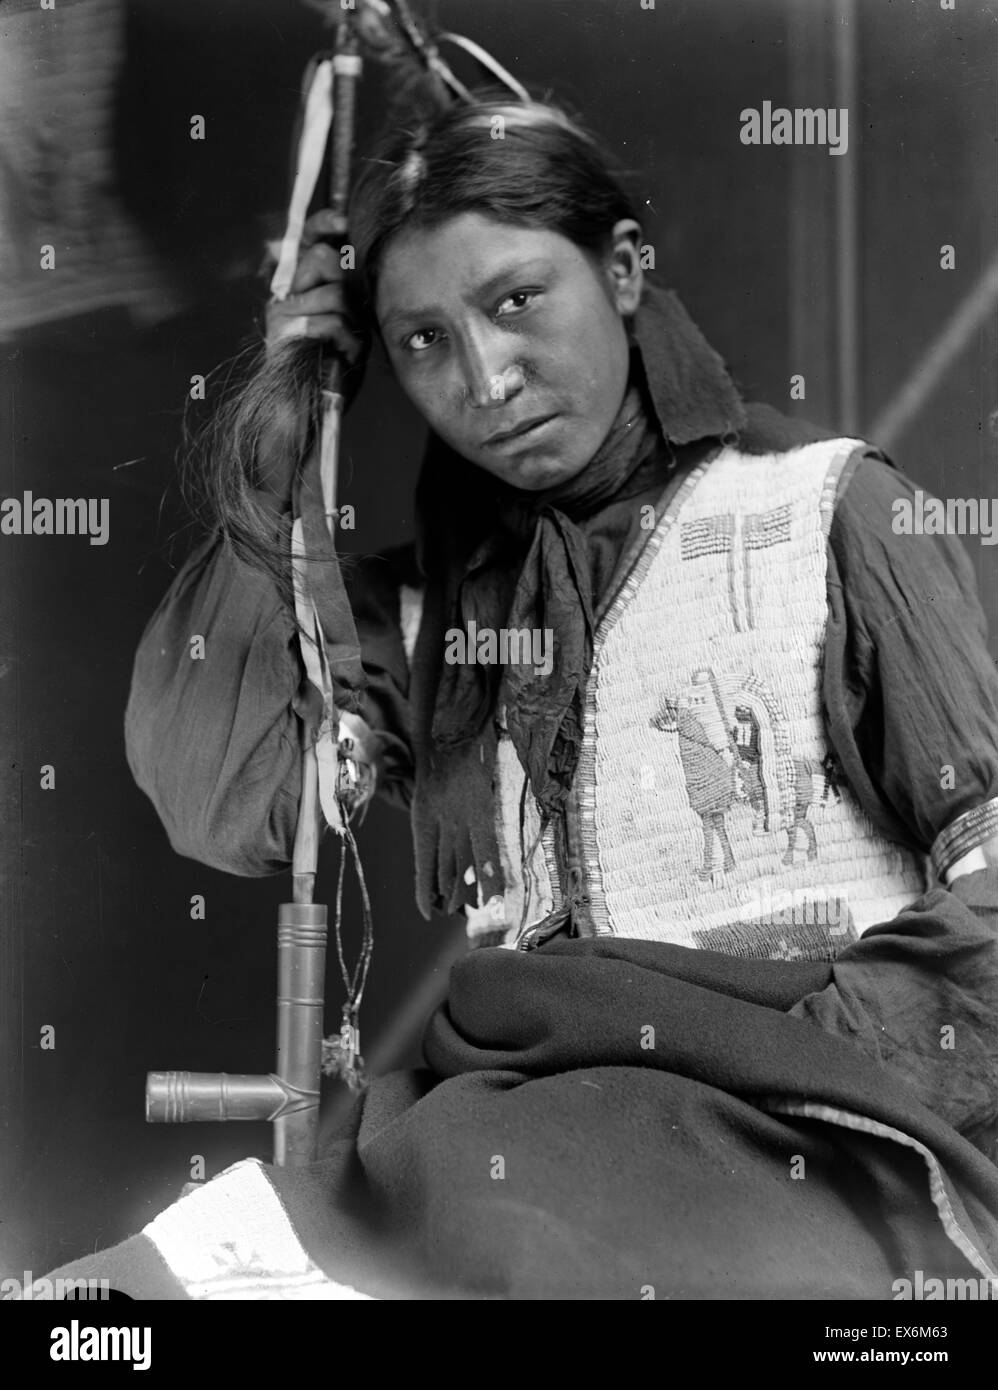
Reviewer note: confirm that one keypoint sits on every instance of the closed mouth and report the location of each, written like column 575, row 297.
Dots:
column 520, row 430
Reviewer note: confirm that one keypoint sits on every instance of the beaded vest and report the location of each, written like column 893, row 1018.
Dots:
column 709, row 809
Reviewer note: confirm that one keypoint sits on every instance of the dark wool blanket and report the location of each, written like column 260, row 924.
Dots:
column 615, row 1119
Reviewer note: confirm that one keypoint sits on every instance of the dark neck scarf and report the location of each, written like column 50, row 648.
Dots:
column 540, row 543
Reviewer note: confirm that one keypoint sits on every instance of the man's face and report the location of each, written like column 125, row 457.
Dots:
column 491, row 327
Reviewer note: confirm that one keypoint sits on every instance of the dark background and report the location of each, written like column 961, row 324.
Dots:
column 790, row 259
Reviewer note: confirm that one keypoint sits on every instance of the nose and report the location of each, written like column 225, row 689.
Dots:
column 489, row 370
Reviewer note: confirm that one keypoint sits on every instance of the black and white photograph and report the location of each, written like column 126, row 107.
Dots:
column 499, row 666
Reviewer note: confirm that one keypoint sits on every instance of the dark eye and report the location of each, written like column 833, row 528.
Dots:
column 524, row 296
column 411, row 345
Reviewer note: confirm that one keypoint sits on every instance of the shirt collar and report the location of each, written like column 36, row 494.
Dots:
column 688, row 383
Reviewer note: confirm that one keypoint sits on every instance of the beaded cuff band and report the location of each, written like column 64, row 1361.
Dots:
column 967, row 832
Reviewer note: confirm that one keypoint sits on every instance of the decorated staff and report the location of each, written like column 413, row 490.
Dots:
column 331, row 783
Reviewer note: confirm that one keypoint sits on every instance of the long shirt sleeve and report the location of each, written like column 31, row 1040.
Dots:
column 911, row 704
column 213, row 739
column 910, row 689
column 212, row 729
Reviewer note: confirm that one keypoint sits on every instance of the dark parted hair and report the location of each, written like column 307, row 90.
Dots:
column 529, row 165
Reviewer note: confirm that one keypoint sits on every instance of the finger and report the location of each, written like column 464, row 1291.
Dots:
column 324, row 299
column 281, row 326
column 325, row 223
column 327, row 327
column 320, row 265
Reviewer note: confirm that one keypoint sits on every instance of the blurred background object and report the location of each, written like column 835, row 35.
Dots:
column 58, row 175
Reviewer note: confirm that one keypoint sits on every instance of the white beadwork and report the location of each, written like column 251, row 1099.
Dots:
column 709, row 814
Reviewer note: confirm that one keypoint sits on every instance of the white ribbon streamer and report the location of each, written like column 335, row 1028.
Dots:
column 311, row 149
